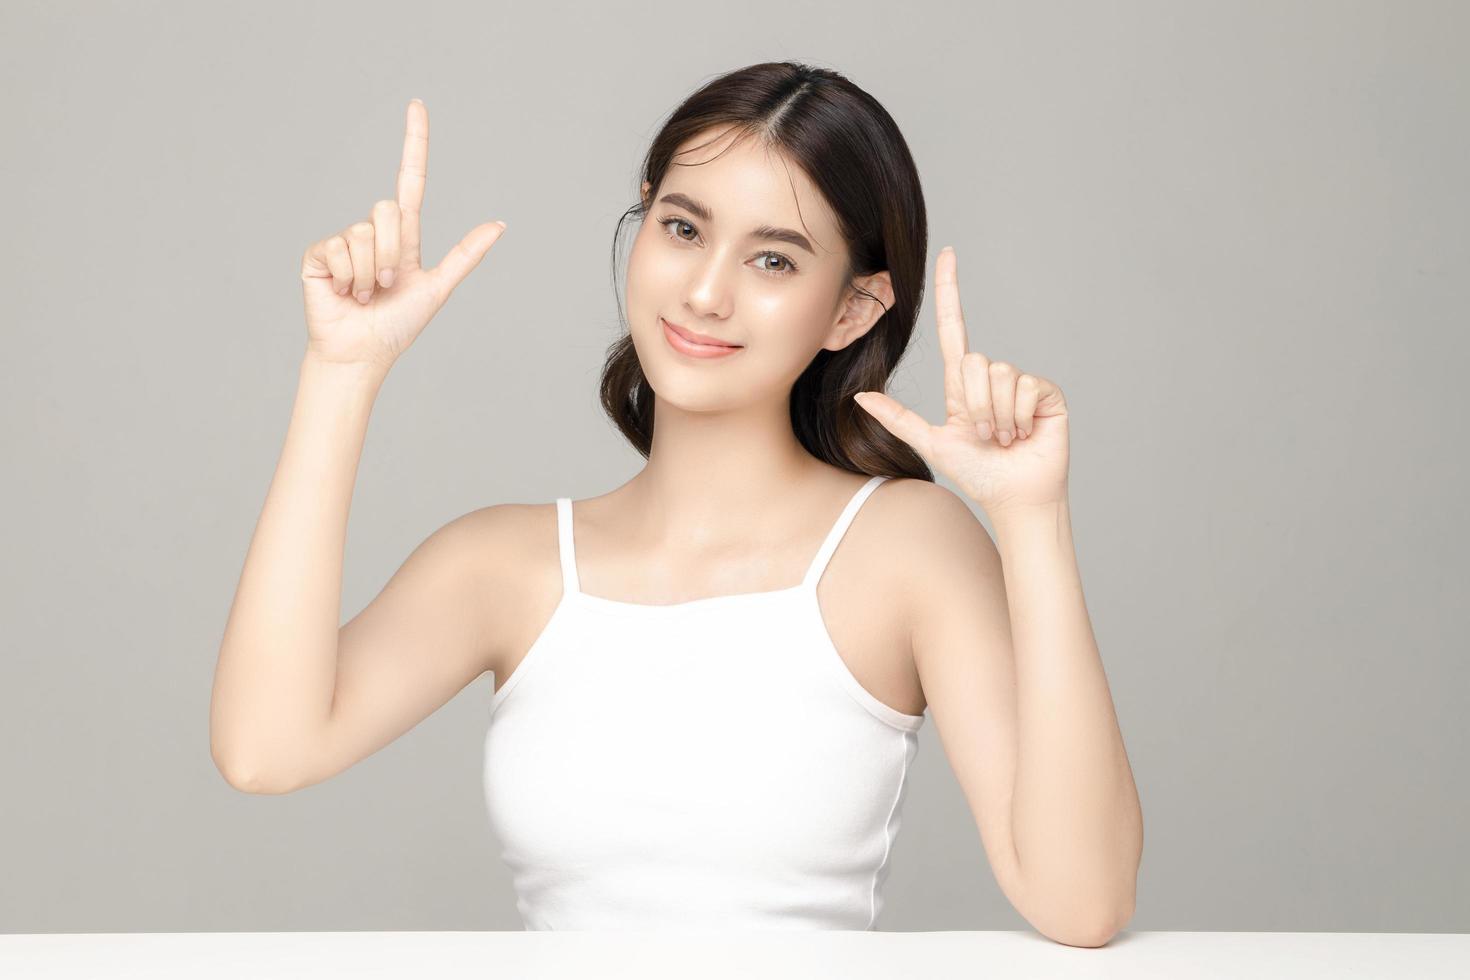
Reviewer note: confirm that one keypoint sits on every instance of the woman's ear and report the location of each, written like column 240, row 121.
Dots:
column 643, row 191
column 861, row 312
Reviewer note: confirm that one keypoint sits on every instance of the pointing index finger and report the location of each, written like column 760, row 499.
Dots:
column 415, row 165
column 954, row 344
column 412, row 172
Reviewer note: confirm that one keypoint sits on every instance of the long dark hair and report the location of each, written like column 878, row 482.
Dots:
column 851, row 149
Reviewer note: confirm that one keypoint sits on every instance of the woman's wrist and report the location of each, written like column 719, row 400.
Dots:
column 360, row 374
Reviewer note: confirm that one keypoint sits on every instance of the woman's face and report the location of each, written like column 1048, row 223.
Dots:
column 763, row 268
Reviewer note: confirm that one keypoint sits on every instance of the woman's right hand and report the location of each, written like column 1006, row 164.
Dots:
column 366, row 295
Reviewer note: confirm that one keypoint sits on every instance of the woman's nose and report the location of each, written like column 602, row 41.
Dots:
column 708, row 293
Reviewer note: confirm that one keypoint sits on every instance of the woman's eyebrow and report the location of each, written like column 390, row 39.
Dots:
column 764, row 231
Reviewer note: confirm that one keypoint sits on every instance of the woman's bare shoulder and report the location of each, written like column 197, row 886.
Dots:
column 508, row 535
column 517, row 565
column 907, row 499
column 916, row 523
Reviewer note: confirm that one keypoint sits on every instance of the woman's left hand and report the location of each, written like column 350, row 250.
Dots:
column 1004, row 437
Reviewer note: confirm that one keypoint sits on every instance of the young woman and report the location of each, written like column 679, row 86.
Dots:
column 705, row 710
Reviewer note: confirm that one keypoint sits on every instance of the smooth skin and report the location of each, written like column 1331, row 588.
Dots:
column 999, row 636
column 295, row 699
column 1027, row 720
column 377, row 261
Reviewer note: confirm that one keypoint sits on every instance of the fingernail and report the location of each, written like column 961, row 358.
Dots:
column 386, row 277
column 984, row 428
column 343, row 290
column 1005, row 437
column 365, row 295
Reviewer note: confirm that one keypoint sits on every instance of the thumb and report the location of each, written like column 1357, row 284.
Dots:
column 898, row 419
column 466, row 254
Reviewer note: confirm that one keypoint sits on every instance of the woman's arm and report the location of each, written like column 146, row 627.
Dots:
column 275, row 677
column 367, row 297
column 1075, row 815
column 1065, row 835
column 1013, row 680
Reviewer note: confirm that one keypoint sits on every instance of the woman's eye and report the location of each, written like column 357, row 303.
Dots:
column 786, row 268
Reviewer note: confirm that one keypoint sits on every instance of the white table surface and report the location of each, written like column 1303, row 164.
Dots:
column 814, row 954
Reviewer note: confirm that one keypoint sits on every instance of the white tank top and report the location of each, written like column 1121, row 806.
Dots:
column 706, row 764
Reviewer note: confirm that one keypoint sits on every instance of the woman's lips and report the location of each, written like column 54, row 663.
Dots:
column 685, row 345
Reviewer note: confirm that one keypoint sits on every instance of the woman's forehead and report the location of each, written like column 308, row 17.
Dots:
column 744, row 182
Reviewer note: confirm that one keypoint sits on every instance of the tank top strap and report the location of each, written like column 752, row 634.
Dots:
column 566, row 546
column 839, row 528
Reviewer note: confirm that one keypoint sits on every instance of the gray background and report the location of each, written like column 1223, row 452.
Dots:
column 1235, row 234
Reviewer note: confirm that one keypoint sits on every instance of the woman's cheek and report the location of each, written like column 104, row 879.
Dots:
column 653, row 282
